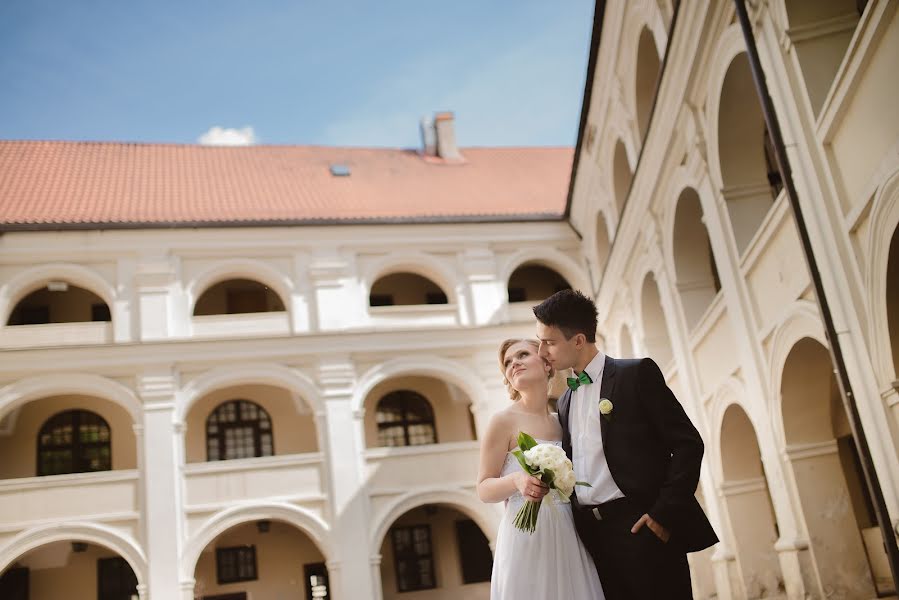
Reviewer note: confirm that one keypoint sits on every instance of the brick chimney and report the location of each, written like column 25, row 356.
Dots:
column 428, row 137
column 445, row 132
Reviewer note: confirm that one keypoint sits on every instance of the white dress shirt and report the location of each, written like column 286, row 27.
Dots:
column 589, row 456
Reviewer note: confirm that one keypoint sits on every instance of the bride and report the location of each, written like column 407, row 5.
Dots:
column 552, row 561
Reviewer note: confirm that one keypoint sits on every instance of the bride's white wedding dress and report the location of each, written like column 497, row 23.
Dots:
column 549, row 563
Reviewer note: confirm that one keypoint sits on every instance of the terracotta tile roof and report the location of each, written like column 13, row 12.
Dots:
column 82, row 184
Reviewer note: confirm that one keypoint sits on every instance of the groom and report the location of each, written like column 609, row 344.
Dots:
column 629, row 437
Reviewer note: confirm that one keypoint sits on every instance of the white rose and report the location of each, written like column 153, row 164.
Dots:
column 605, row 406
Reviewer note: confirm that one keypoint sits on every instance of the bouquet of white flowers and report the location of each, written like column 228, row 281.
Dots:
column 548, row 463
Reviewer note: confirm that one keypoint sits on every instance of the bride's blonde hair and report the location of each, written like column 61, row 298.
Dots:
column 514, row 394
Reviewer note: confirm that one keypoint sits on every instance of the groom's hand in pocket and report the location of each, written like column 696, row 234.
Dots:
column 654, row 526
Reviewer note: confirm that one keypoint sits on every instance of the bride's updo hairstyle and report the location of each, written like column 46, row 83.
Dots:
column 513, row 393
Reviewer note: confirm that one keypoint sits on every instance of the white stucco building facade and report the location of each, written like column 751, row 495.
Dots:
column 323, row 331
column 691, row 240
column 310, row 326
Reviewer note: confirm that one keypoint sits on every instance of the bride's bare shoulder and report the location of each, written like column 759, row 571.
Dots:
column 503, row 419
column 506, row 423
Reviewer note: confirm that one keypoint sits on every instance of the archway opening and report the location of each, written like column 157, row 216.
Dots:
column 621, row 176
column 249, row 421
column 437, row 551
column 603, row 245
column 750, row 511
column 532, row 282
column 263, row 560
column 655, row 329
column 892, row 302
column 751, row 181
column 66, row 434
column 695, row 269
column 238, row 296
column 71, row 569
column 415, row 410
column 59, row 302
column 835, row 504
column 648, row 70
column 405, row 289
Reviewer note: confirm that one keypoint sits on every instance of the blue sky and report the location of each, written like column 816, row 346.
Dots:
column 296, row 72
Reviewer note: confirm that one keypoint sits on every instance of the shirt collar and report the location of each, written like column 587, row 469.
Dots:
column 595, row 368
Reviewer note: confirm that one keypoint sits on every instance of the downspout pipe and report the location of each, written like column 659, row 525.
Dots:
column 836, row 352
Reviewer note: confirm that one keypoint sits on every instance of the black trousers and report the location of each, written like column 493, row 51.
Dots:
column 632, row 566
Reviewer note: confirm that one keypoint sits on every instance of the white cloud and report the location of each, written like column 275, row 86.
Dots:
column 222, row 136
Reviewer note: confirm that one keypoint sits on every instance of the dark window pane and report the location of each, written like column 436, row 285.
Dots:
column 115, row 579
column 474, row 552
column 235, row 564
column 436, row 298
column 413, row 558
column 239, row 429
column 405, row 418
column 61, row 451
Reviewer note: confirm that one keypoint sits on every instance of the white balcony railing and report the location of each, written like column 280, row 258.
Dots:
column 293, row 478
column 107, row 495
column 521, row 311
column 56, row 334
column 400, row 469
column 245, row 324
column 414, row 315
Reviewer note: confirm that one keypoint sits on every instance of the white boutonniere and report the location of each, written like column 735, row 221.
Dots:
column 605, row 408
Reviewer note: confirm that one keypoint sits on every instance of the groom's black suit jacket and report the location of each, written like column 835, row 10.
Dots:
column 652, row 449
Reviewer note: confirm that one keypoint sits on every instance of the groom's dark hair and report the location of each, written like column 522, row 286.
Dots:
column 570, row 311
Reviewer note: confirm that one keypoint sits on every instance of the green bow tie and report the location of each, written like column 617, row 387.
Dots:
column 576, row 382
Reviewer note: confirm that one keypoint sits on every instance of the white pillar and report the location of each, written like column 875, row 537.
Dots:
column 339, row 299
column 349, row 503
column 159, row 483
column 727, row 574
column 375, row 562
column 302, row 299
column 155, row 281
column 487, row 295
column 124, row 319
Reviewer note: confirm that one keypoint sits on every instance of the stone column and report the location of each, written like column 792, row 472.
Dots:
column 155, row 281
column 161, row 492
column 339, row 298
column 348, row 501
column 796, row 564
column 727, row 574
column 302, row 300
column 487, row 295
column 375, row 568
column 124, row 317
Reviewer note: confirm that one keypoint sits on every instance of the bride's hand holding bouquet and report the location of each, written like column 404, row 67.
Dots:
column 551, row 466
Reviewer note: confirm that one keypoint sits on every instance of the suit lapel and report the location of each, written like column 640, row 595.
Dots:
column 606, row 390
column 565, row 410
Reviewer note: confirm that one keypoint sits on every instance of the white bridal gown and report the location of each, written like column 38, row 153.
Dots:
column 549, row 563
